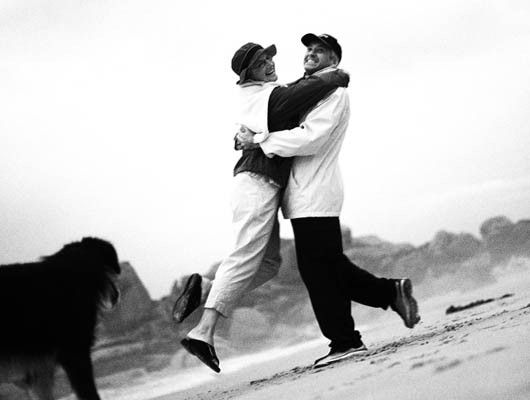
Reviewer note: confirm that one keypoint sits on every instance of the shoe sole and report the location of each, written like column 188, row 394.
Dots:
column 183, row 308
column 186, row 343
column 352, row 353
column 411, row 306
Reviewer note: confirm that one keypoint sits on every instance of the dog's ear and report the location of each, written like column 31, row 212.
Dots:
column 112, row 297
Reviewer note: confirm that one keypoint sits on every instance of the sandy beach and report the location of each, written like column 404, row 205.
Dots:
column 482, row 352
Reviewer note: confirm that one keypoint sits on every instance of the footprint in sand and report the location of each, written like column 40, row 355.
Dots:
column 447, row 366
column 420, row 364
column 379, row 360
column 425, row 355
column 496, row 350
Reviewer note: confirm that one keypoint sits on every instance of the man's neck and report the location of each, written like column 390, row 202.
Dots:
column 321, row 71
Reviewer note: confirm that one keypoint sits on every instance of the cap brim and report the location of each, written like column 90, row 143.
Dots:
column 309, row 38
column 271, row 50
column 312, row 38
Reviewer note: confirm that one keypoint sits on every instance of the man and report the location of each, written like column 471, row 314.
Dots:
column 313, row 201
column 258, row 182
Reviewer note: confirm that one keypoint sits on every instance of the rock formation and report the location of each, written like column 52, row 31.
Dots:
column 139, row 333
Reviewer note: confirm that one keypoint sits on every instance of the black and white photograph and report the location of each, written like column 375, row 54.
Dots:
column 254, row 201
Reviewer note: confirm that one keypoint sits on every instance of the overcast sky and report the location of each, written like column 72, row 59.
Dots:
column 116, row 120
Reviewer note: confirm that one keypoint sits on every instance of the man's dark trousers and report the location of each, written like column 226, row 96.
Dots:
column 333, row 281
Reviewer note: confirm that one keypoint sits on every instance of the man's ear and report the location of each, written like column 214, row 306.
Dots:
column 335, row 59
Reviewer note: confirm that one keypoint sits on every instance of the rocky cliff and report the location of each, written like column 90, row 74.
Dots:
column 139, row 332
column 144, row 327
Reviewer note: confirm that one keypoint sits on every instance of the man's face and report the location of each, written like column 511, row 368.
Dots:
column 318, row 57
column 263, row 69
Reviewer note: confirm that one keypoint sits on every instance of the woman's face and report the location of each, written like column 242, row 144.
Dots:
column 263, row 69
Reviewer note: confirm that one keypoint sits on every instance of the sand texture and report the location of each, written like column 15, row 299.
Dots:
column 480, row 352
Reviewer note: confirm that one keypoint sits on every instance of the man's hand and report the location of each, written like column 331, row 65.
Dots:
column 244, row 139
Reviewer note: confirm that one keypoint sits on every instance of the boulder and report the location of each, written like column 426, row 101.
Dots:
column 450, row 248
column 496, row 226
column 504, row 239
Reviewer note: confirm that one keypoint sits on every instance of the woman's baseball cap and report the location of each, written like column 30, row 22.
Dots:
column 247, row 55
column 327, row 40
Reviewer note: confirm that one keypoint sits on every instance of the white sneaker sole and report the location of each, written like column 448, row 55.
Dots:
column 335, row 358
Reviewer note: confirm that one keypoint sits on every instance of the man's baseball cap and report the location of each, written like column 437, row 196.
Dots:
column 327, row 40
column 246, row 55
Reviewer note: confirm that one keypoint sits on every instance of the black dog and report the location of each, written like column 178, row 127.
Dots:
column 48, row 314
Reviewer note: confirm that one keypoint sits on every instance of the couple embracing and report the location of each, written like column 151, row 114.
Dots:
column 291, row 137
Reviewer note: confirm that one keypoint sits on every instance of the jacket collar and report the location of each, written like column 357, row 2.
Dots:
column 321, row 71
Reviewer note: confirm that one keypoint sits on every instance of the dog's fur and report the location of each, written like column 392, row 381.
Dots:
column 48, row 314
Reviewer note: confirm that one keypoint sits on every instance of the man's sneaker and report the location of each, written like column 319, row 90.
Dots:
column 339, row 354
column 404, row 304
column 189, row 300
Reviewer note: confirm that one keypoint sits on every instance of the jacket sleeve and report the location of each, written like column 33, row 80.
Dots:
column 287, row 104
column 313, row 133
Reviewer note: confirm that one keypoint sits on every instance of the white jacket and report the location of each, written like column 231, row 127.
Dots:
column 254, row 105
column 315, row 185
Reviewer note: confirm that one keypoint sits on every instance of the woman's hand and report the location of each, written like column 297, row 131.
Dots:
column 244, row 139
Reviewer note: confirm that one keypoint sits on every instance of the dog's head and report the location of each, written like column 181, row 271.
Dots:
column 96, row 262
column 101, row 252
